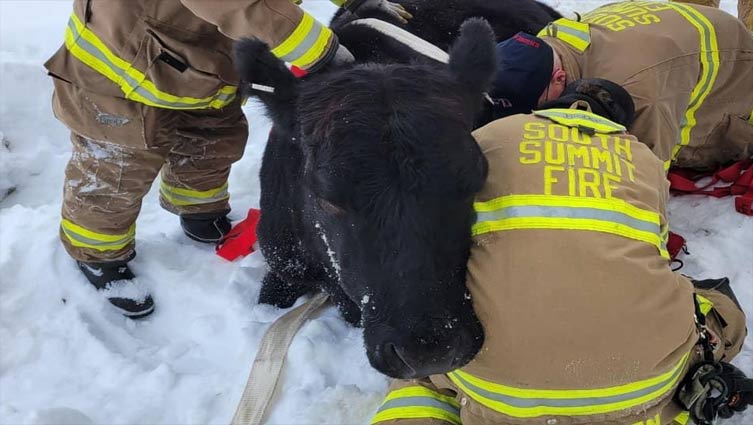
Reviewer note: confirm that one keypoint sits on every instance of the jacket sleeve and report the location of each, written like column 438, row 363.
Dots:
column 417, row 402
column 293, row 35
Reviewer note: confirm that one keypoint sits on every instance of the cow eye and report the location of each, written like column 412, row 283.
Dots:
column 329, row 207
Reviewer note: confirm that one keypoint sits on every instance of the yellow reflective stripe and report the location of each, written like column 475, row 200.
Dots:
column 704, row 304
column 182, row 197
column 664, row 237
column 577, row 118
column 89, row 49
column 416, row 413
column 656, row 420
column 417, row 402
column 709, row 71
column 339, row 3
column 306, row 44
column 613, row 216
column 567, row 201
column 576, row 34
column 419, row 391
column 317, row 50
column 296, row 37
column 530, row 403
column 85, row 238
column 683, row 418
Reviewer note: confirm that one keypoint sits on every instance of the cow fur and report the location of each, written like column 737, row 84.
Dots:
column 367, row 185
column 438, row 22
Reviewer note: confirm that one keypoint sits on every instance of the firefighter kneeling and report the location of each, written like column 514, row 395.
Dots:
column 585, row 321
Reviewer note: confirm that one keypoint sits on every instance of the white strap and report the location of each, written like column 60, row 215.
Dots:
column 418, row 44
column 265, row 372
column 414, row 42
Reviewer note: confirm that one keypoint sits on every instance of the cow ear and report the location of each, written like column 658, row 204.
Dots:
column 266, row 77
column 472, row 57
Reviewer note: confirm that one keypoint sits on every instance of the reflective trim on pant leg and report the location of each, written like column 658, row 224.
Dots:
column 709, row 53
column 417, row 402
column 185, row 197
column 84, row 238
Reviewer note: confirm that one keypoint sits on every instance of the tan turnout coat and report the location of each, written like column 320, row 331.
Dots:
column 585, row 322
column 688, row 68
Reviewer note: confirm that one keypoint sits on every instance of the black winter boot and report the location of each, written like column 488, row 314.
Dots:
column 206, row 227
column 116, row 281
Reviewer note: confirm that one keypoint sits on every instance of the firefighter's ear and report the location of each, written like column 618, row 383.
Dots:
column 266, row 77
column 472, row 57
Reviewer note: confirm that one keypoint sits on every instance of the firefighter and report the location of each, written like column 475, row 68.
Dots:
column 744, row 9
column 148, row 87
column 688, row 69
column 585, row 322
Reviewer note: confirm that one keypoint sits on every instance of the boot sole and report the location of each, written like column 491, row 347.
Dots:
column 134, row 314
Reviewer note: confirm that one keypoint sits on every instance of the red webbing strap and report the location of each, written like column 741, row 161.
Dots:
column 240, row 240
column 298, row 72
column 675, row 244
column 739, row 176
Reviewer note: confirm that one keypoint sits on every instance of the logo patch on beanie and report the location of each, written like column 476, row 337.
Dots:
column 533, row 43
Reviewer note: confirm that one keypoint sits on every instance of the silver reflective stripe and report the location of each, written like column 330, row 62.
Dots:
column 306, row 44
column 575, row 33
column 709, row 57
column 582, row 116
column 190, row 200
column 419, row 402
column 136, row 85
column 566, row 402
column 83, row 239
column 708, row 73
column 568, row 212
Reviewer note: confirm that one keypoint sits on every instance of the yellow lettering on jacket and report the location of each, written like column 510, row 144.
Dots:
column 576, row 163
column 620, row 16
column 530, row 153
column 549, row 177
column 534, row 130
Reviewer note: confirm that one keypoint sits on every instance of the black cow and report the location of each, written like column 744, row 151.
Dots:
column 367, row 185
column 438, row 21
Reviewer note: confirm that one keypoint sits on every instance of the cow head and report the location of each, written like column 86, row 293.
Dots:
column 390, row 171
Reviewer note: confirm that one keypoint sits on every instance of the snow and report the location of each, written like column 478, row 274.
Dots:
column 65, row 358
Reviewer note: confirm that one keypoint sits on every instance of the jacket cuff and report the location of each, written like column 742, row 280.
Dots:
column 327, row 57
column 310, row 46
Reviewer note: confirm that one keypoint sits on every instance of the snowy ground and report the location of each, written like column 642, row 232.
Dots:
column 65, row 358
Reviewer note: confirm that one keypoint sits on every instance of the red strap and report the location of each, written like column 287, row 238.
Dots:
column 739, row 176
column 675, row 244
column 298, row 72
column 240, row 240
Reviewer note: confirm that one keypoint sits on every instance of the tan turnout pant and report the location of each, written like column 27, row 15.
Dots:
column 437, row 400
column 109, row 173
column 744, row 9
